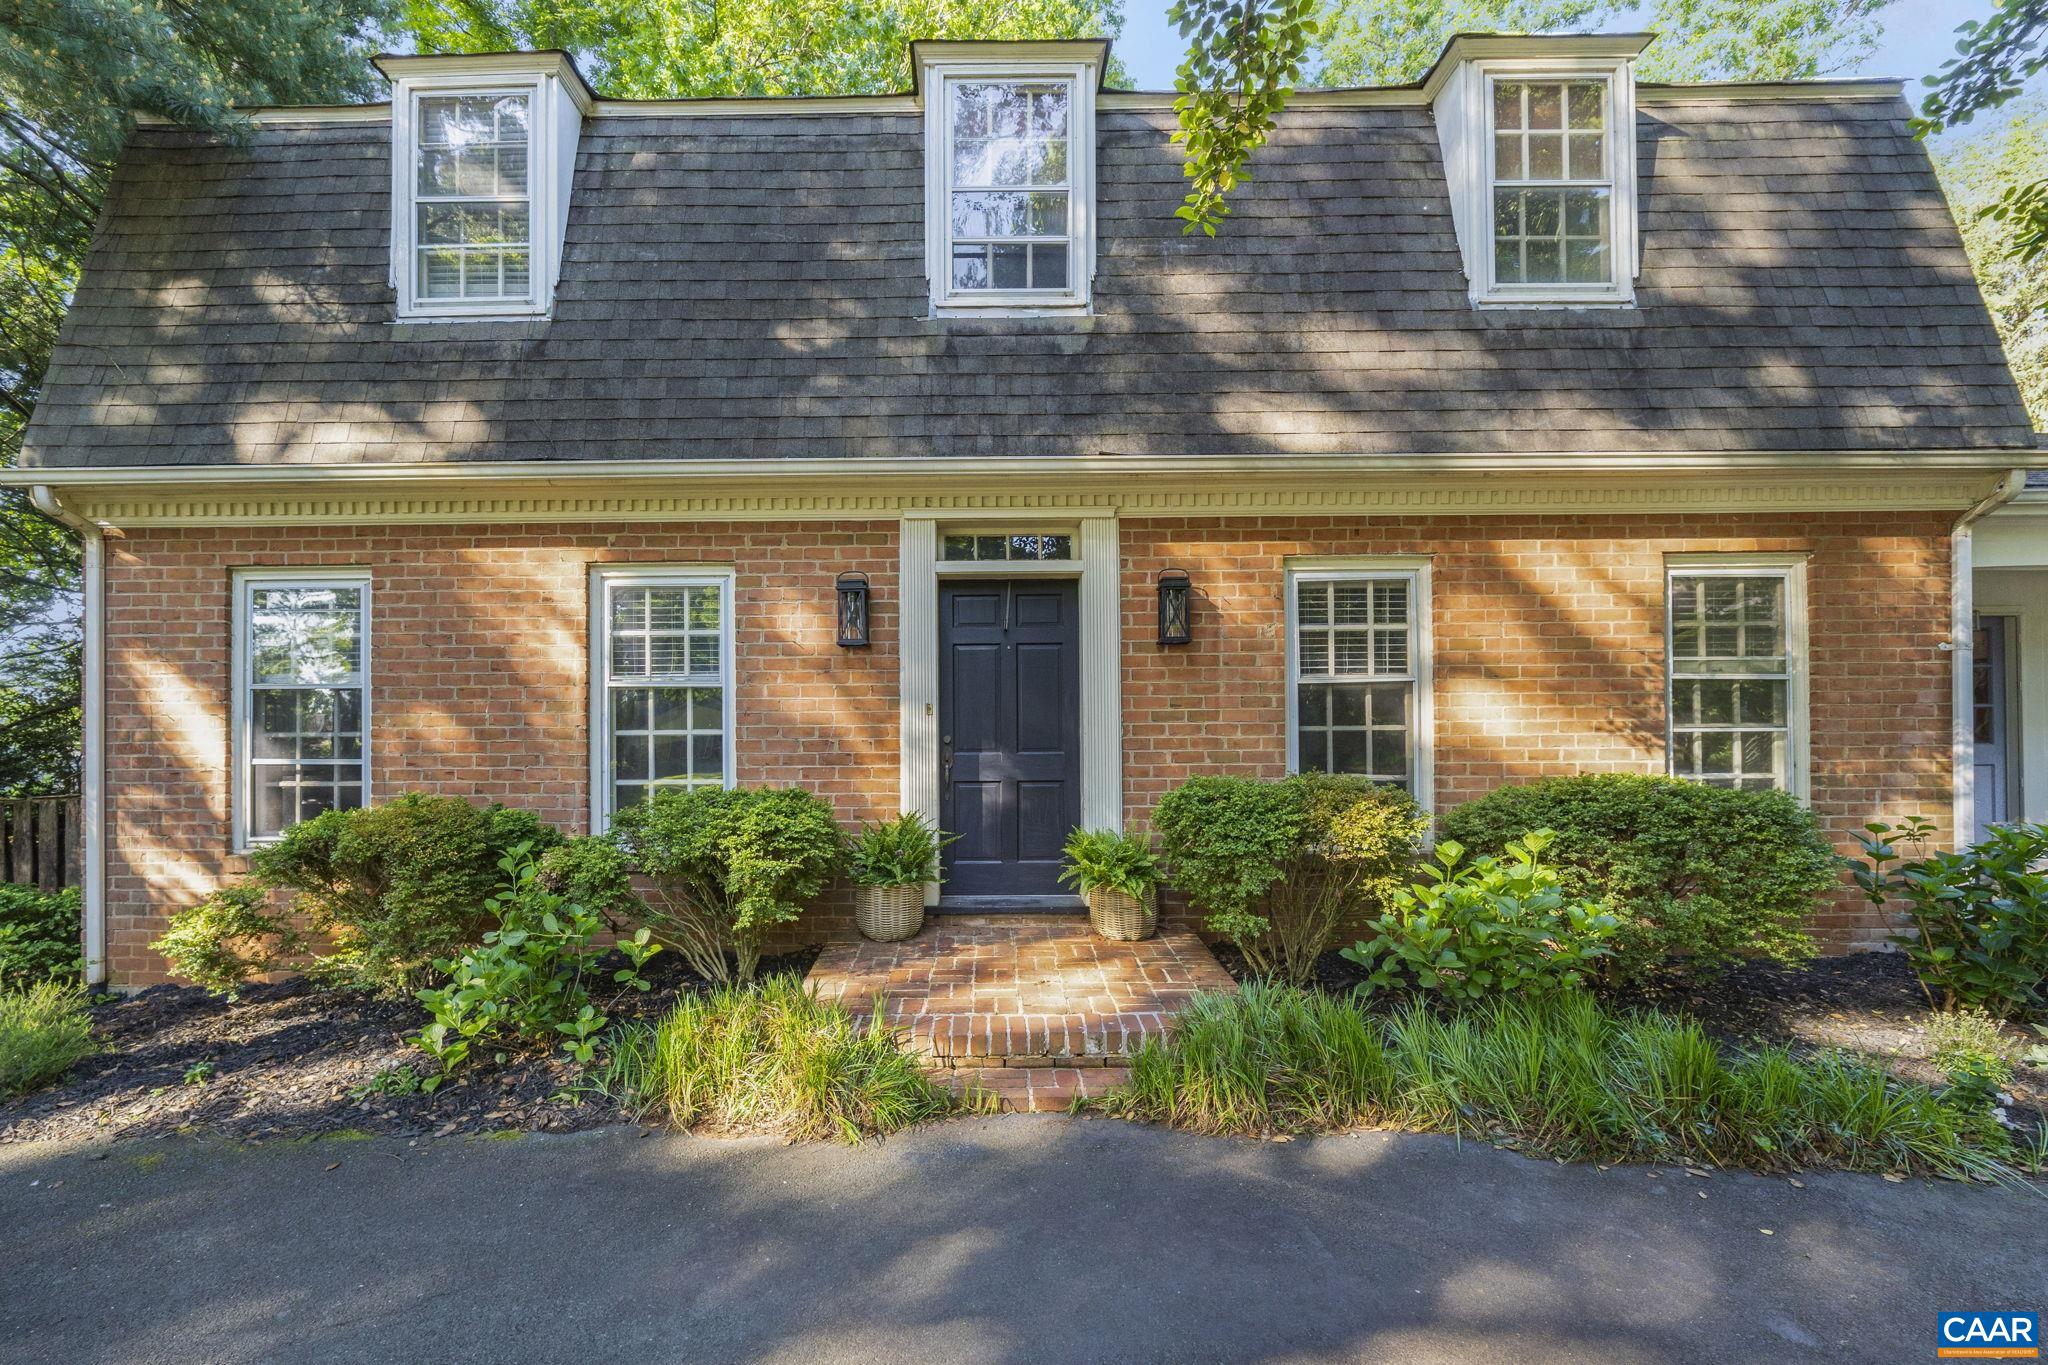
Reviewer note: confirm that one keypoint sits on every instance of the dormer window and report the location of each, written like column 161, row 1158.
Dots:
column 1011, row 190
column 1553, row 189
column 473, row 199
column 1539, row 147
column 1009, row 186
column 483, row 153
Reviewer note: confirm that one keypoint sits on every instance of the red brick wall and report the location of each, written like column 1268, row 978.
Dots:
column 1549, row 651
column 1548, row 659
column 479, row 682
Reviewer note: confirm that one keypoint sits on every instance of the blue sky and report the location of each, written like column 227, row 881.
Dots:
column 1917, row 40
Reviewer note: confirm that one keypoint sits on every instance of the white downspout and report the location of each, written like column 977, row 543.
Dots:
column 92, row 748
column 1963, row 651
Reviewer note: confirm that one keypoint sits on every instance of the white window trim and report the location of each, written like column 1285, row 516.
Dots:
column 1798, row 724
column 603, row 580
column 1416, row 572
column 242, row 583
column 939, row 78
column 1465, row 110
column 542, row 185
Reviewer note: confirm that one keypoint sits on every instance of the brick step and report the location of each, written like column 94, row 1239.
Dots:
column 1059, row 1040
column 1032, row 1089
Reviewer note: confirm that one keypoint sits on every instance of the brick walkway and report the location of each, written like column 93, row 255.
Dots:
column 1031, row 1008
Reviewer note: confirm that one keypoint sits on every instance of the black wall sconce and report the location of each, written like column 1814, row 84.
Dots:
column 853, row 610
column 1176, row 608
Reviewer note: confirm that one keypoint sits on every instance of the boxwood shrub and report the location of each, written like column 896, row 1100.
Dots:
column 1701, row 873
column 1277, row 868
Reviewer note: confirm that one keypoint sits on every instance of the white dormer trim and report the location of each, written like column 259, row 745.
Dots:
column 938, row 66
column 1460, row 89
column 558, row 101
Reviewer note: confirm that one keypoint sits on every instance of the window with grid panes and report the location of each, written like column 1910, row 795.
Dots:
column 958, row 546
column 1009, row 204
column 1553, row 188
column 666, row 675
column 1354, row 676
column 1731, row 679
column 303, row 648
column 472, row 199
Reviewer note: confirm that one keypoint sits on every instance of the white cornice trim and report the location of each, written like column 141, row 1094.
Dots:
column 1768, row 92
column 1052, row 467
column 553, row 62
column 1472, row 47
column 369, row 496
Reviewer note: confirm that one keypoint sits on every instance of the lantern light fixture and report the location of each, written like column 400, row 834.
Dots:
column 1176, row 608
column 852, row 591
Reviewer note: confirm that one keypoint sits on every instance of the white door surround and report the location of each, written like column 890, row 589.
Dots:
column 1097, row 563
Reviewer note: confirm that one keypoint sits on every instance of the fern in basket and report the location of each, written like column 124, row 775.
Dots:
column 1106, row 860
column 899, row 852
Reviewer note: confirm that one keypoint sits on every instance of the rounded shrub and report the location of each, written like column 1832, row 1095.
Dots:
column 398, row 885
column 1701, row 873
column 1278, row 867
column 728, row 866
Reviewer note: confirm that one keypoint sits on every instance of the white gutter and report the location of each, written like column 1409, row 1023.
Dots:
column 1963, row 654
column 92, row 749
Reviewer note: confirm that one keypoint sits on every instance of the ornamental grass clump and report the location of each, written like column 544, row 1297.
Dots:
column 45, row 1030
column 1561, row 1076
column 774, row 1060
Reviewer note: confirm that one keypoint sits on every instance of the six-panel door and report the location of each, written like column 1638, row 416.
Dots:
column 1009, row 728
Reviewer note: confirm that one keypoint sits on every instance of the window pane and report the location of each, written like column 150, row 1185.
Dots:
column 1009, row 213
column 1588, row 105
column 970, row 267
column 304, row 634
column 1010, row 266
column 1507, row 104
column 1049, row 265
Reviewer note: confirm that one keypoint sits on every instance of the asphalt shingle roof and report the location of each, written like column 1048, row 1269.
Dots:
column 753, row 287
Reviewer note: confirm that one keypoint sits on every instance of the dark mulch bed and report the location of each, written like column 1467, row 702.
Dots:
column 1868, row 1003
column 289, row 1060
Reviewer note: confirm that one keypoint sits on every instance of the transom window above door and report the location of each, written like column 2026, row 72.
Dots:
column 977, row 546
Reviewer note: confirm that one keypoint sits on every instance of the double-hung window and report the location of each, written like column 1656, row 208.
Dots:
column 663, row 701
column 1553, row 184
column 1010, row 203
column 302, row 667
column 472, row 199
column 1737, row 673
column 1358, row 657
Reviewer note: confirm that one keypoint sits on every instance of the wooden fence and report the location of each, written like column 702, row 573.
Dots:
column 40, row 838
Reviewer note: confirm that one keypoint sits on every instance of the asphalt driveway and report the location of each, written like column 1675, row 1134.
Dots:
column 1010, row 1239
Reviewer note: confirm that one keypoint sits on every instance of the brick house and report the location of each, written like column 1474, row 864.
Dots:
column 509, row 441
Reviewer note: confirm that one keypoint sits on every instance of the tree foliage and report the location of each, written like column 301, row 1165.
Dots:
column 1976, row 175
column 73, row 76
column 664, row 49
column 1384, row 42
column 1243, row 58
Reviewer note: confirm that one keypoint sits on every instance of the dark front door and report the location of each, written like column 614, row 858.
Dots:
column 1009, row 739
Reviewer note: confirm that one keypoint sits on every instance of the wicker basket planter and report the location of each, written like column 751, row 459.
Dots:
column 889, row 913
column 1120, row 915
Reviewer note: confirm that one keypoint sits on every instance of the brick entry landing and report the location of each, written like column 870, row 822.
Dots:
column 1032, row 1008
